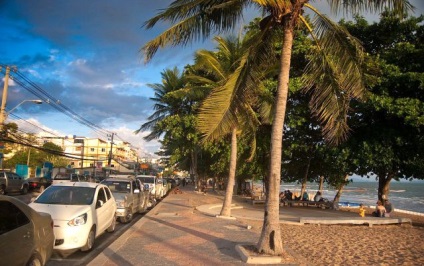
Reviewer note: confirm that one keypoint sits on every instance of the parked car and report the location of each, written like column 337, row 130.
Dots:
column 155, row 187
column 26, row 236
column 81, row 212
column 129, row 195
column 12, row 182
column 165, row 186
column 71, row 177
column 38, row 183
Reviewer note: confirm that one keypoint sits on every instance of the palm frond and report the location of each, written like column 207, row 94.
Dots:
column 374, row 6
column 193, row 20
column 333, row 76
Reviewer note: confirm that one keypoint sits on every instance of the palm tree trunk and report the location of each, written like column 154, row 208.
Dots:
column 226, row 207
column 193, row 168
column 270, row 241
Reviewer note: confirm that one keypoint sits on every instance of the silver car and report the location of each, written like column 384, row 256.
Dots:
column 26, row 236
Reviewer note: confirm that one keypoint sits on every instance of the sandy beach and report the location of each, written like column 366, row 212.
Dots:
column 353, row 244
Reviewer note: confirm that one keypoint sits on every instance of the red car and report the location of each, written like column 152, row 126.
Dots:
column 38, row 183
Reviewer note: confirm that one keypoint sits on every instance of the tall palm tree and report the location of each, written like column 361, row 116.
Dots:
column 226, row 109
column 165, row 103
column 333, row 74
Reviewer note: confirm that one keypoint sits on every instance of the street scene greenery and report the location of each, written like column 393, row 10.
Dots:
column 286, row 98
column 362, row 83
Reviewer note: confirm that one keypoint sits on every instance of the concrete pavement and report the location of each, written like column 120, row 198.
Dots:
column 183, row 230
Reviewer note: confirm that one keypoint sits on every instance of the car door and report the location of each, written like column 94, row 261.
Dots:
column 101, row 211
column 16, row 235
column 136, row 196
column 13, row 181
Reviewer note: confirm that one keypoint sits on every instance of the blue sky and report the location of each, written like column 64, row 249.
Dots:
column 86, row 54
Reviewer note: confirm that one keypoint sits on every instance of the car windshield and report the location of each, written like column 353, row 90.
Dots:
column 147, row 179
column 67, row 195
column 118, row 186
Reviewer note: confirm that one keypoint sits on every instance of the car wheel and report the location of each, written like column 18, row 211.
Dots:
column 151, row 203
column 24, row 190
column 41, row 189
column 2, row 190
column 90, row 240
column 112, row 226
column 35, row 260
column 142, row 208
column 127, row 218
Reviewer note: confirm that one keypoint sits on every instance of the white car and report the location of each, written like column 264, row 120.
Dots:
column 81, row 212
column 155, row 187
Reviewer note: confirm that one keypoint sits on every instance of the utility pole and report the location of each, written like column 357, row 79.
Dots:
column 4, row 99
column 3, row 113
column 110, row 151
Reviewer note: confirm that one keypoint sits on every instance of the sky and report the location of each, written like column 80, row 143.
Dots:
column 87, row 55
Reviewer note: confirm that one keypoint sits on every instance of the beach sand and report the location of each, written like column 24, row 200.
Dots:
column 353, row 244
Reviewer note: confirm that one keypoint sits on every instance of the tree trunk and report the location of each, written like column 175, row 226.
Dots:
column 226, row 207
column 339, row 194
column 193, row 168
column 321, row 184
column 384, row 186
column 270, row 241
column 305, row 179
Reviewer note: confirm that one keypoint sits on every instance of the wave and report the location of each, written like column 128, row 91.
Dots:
column 399, row 190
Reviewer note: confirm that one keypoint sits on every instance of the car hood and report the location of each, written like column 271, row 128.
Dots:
column 119, row 196
column 61, row 212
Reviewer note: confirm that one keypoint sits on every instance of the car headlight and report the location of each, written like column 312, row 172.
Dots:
column 80, row 220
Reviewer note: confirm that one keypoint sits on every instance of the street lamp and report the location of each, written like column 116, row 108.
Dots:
column 4, row 114
column 24, row 101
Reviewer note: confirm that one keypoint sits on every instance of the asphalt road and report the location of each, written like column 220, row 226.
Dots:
column 78, row 257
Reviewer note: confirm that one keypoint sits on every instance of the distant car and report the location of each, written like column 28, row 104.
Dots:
column 155, row 187
column 129, row 195
column 26, row 236
column 81, row 212
column 12, row 182
column 38, row 183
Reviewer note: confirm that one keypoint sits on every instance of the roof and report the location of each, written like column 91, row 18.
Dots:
column 76, row 184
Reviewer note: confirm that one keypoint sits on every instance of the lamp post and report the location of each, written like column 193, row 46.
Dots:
column 3, row 117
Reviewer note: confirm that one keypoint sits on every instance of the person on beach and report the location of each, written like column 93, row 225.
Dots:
column 305, row 196
column 361, row 210
column 389, row 208
column 379, row 210
column 318, row 196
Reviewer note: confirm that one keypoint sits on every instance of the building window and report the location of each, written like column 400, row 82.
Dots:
column 78, row 148
column 92, row 149
column 72, row 163
column 103, row 149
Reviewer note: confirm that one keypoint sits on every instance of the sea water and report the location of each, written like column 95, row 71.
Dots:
column 404, row 195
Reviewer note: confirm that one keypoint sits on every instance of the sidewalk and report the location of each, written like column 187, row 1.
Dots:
column 183, row 230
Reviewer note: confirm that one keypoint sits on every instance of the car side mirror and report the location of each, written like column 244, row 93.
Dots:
column 136, row 191
column 146, row 187
column 99, row 203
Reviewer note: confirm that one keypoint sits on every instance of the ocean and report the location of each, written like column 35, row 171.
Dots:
column 405, row 195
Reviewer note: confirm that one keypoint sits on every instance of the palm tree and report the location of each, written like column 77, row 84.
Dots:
column 333, row 75
column 165, row 104
column 226, row 109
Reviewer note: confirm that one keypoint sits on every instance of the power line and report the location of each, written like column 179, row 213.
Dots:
column 36, row 90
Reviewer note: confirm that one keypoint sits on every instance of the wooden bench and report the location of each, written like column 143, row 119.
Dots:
column 319, row 204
